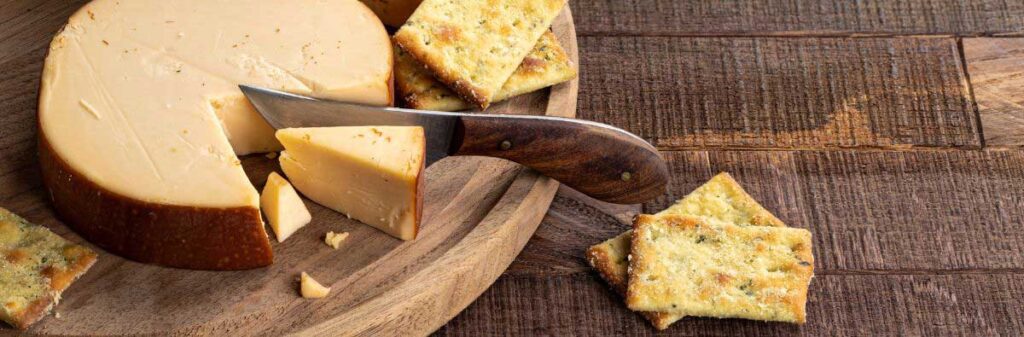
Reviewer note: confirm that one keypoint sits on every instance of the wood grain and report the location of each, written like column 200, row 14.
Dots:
column 479, row 213
column 839, row 305
column 800, row 17
column 780, row 93
column 907, row 243
column 996, row 67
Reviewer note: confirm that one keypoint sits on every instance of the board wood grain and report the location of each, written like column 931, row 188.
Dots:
column 780, row 93
column 478, row 214
column 800, row 17
column 996, row 67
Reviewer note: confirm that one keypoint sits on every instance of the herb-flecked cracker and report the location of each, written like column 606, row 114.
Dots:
column 473, row 47
column 684, row 265
column 36, row 266
column 722, row 199
column 546, row 65
column 610, row 258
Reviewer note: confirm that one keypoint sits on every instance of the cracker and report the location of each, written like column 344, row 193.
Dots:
column 684, row 265
column 36, row 266
column 610, row 260
column 722, row 199
column 546, row 65
column 473, row 47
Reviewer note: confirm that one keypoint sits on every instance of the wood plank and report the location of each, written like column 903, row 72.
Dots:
column 780, row 93
column 800, row 17
column 869, row 211
column 996, row 69
column 29, row 25
column 839, row 305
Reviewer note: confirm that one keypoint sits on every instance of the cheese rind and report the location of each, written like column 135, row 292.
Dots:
column 139, row 109
column 283, row 207
column 372, row 174
column 393, row 12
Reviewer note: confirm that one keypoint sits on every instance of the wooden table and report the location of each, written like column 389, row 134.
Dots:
column 890, row 129
column 893, row 130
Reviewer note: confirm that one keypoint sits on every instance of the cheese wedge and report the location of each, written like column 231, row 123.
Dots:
column 283, row 207
column 370, row 173
column 310, row 288
column 141, row 118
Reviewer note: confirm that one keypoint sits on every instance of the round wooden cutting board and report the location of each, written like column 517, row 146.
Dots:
column 478, row 215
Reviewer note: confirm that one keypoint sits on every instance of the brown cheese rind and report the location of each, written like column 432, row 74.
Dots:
column 36, row 266
column 546, row 65
column 173, row 236
column 392, row 12
column 685, row 265
column 473, row 47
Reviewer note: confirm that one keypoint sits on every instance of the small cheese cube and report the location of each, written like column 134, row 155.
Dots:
column 335, row 239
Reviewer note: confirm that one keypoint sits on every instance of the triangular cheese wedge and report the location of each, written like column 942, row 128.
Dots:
column 283, row 207
column 370, row 173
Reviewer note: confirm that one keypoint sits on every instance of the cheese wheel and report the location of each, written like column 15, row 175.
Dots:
column 141, row 117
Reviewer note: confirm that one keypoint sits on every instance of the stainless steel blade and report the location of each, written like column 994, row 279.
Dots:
column 285, row 110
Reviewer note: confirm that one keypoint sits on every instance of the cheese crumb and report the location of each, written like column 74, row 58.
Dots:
column 335, row 239
column 310, row 288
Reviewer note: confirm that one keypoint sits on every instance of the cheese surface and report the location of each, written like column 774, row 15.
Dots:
column 141, row 96
column 283, row 207
column 370, row 173
column 141, row 117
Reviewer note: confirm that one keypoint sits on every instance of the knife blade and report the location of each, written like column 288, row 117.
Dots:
column 602, row 161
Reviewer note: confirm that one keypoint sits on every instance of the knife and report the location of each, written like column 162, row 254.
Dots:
column 601, row 161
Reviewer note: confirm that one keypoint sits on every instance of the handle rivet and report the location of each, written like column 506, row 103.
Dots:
column 505, row 145
column 626, row 176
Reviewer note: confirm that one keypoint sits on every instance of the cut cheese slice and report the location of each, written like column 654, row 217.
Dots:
column 141, row 116
column 283, row 207
column 372, row 174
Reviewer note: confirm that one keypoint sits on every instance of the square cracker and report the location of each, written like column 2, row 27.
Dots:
column 685, row 265
column 473, row 47
column 610, row 258
column 546, row 65
column 36, row 266
column 720, row 200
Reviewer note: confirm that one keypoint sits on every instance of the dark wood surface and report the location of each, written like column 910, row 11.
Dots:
column 893, row 130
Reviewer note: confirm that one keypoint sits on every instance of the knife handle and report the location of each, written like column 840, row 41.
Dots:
column 603, row 162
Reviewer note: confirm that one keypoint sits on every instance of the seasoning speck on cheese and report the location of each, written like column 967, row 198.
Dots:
column 473, row 47
column 36, row 266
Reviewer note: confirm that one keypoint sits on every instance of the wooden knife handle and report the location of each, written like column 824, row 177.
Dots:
column 603, row 162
